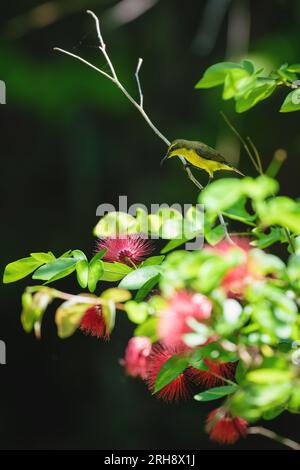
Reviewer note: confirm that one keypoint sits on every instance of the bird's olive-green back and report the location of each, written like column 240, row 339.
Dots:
column 202, row 149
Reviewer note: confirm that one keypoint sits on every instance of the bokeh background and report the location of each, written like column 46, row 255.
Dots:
column 69, row 142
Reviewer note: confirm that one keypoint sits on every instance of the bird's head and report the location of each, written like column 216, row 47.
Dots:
column 172, row 150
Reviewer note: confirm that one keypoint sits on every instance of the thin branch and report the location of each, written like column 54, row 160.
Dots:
column 275, row 437
column 241, row 139
column 84, row 61
column 102, row 46
column 82, row 298
column 256, row 154
column 140, row 62
column 139, row 106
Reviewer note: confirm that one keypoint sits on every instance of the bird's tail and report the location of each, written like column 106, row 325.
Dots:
column 237, row 171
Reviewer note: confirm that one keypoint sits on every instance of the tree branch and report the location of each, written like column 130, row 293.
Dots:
column 275, row 437
column 140, row 62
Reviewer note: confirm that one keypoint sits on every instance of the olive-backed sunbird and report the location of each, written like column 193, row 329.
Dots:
column 199, row 155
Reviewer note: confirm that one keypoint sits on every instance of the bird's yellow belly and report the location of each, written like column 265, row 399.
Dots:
column 208, row 165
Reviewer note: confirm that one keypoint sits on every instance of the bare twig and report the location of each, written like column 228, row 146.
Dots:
column 242, row 140
column 140, row 62
column 82, row 298
column 138, row 105
column 274, row 436
column 256, row 154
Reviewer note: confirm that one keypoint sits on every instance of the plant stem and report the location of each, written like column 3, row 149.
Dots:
column 256, row 154
column 82, row 298
column 290, row 240
column 242, row 140
column 274, row 436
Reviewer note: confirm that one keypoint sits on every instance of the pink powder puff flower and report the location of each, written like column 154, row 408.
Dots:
column 129, row 249
column 136, row 356
column 238, row 277
column 173, row 321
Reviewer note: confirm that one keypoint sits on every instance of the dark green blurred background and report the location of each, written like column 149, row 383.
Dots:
column 69, row 142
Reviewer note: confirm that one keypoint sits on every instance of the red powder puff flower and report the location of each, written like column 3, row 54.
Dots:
column 136, row 356
column 129, row 249
column 224, row 428
column 183, row 305
column 215, row 375
column 93, row 323
column 237, row 279
column 181, row 387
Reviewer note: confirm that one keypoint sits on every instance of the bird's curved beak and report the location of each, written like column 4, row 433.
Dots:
column 165, row 158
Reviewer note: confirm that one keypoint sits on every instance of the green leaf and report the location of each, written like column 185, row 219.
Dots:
column 196, row 339
column 259, row 188
column 248, row 65
column 216, row 74
column 214, row 235
column 21, row 268
column 258, row 91
column 221, row 194
column 294, row 402
column 109, row 314
column 137, row 311
column 210, row 274
column 170, row 223
column 212, row 351
column 98, row 256
column 146, row 288
column 294, row 270
column 82, row 271
column 96, row 270
column 240, row 372
column 236, row 80
column 291, row 102
column 172, row 244
column 114, row 271
column 170, row 371
column 33, row 308
column 297, row 245
column 253, row 400
column 60, row 267
column 68, row 316
column 294, row 68
column 137, row 278
column 60, row 275
column 148, row 328
column 116, row 223
column 116, row 295
column 200, row 335
column 282, row 211
column 216, row 393
column 266, row 263
column 79, row 255
column 153, row 260
column 264, row 240
column 43, row 257
column 66, row 254
column 239, row 212
column 269, row 376
column 273, row 412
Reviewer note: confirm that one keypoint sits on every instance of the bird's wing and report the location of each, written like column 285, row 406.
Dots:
column 209, row 153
